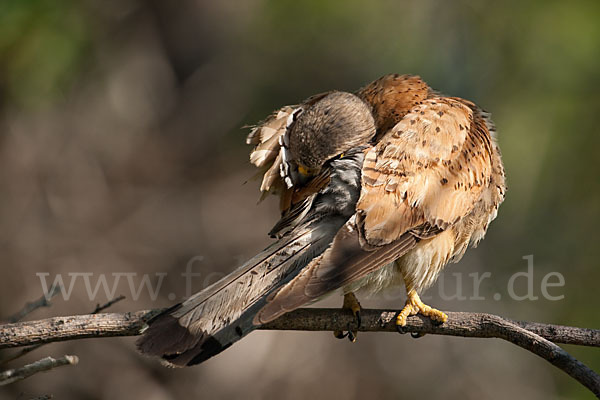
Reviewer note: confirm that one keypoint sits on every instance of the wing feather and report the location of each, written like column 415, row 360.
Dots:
column 345, row 261
column 392, row 97
column 428, row 169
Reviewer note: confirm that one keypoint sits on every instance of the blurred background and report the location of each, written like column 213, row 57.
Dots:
column 121, row 152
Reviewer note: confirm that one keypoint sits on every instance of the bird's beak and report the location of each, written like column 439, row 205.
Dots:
column 307, row 172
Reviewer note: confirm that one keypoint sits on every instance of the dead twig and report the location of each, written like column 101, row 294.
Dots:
column 45, row 364
column 99, row 308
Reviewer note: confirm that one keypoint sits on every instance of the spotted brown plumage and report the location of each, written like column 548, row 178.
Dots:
column 380, row 188
column 392, row 97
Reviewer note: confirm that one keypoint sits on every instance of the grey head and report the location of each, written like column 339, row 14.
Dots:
column 326, row 129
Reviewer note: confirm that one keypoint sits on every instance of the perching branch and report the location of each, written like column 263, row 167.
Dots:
column 538, row 338
column 48, row 363
column 55, row 290
column 459, row 324
column 58, row 329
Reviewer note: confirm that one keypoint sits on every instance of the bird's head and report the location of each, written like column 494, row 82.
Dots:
column 326, row 129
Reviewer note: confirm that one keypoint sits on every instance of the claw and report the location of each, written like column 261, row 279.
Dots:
column 414, row 335
column 339, row 334
column 350, row 303
column 400, row 330
column 351, row 336
column 358, row 319
column 415, row 306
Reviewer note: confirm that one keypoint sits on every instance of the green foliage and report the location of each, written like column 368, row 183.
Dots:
column 42, row 45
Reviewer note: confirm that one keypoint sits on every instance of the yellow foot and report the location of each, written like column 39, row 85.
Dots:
column 350, row 303
column 415, row 306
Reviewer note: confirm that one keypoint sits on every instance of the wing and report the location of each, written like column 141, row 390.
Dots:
column 345, row 261
column 431, row 168
column 391, row 97
column 424, row 175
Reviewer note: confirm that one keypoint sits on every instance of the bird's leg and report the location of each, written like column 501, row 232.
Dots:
column 350, row 303
column 415, row 306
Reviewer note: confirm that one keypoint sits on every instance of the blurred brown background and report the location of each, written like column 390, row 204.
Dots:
column 121, row 152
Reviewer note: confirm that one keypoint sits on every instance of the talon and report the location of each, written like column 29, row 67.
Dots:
column 352, row 304
column 351, row 335
column 358, row 319
column 400, row 330
column 404, row 313
column 339, row 334
column 415, row 306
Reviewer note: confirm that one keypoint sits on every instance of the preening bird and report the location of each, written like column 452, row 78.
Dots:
column 379, row 188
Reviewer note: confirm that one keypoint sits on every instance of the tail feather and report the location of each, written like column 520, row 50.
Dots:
column 213, row 319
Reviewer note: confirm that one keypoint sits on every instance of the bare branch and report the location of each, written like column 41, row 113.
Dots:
column 45, row 364
column 535, row 337
column 459, row 324
column 29, row 349
column 59, row 329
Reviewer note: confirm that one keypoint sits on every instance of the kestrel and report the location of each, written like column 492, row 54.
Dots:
column 379, row 188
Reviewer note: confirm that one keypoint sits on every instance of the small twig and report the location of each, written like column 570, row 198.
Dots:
column 45, row 364
column 30, row 307
column 20, row 353
column 100, row 308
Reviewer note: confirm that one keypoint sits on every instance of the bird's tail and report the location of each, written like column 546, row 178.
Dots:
column 213, row 319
